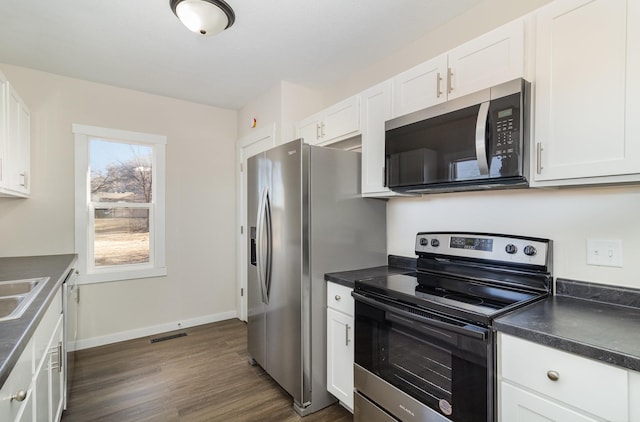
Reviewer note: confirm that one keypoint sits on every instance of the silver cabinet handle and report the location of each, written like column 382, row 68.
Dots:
column 59, row 356
column 449, row 80
column 19, row 396
column 318, row 133
column 438, row 81
column 337, row 297
column 346, row 333
column 539, row 157
column 25, row 179
column 553, row 375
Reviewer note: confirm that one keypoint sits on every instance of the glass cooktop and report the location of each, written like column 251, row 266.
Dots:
column 473, row 300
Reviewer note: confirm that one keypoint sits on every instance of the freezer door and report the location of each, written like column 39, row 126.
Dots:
column 257, row 181
column 283, row 319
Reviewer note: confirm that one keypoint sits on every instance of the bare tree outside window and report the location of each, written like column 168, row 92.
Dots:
column 121, row 175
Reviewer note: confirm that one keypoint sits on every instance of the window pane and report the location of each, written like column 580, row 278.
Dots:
column 120, row 172
column 121, row 236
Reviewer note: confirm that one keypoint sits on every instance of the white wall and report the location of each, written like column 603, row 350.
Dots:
column 284, row 104
column 201, row 282
column 567, row 216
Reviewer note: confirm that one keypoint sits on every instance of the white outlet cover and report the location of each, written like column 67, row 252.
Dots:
column 602, row 252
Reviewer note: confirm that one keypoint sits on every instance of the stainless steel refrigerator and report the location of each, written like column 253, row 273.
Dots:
column 306, row 218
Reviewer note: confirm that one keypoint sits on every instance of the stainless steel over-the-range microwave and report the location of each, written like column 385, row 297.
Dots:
column 479, row 141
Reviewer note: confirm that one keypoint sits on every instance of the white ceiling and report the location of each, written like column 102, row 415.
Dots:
column 140, row 44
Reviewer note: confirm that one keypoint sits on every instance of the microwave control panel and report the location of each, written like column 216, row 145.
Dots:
column 506, row 145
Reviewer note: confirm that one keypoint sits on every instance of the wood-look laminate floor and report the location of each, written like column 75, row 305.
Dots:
column 204, row 376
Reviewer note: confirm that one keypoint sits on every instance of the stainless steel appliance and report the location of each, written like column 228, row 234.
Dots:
column 70, row 299
column 424, row 345
column 478, row 141
column 305, row 214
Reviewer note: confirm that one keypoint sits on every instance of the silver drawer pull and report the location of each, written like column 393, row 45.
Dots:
column 553, row 375
column 338, row 297
column 19, row 396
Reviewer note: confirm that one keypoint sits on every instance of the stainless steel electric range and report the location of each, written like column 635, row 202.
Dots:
column 424, row 345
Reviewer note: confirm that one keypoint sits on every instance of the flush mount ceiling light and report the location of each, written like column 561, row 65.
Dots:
column 206, row 17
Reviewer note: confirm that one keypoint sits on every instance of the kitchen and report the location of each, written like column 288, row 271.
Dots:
column 200, row 188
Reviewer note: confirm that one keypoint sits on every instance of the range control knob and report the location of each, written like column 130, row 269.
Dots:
column 530, row 250
column 511, row 248
column 435, row 243
column 424, row 241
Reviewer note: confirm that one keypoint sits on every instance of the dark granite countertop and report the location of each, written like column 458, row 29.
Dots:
column 15, row 334
column 397, row 265
column 584, row 319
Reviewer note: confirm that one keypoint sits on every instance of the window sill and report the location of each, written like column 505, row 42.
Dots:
column 118, row 275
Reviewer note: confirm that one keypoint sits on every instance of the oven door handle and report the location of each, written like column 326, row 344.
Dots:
column 404, row 317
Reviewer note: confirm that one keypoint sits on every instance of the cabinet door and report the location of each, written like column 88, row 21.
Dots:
column 420, row 87
column 49, row 379
column 309, row 130
column 340, row 356
column 17, row 145
column 4, row 90
column 375, row 110
column 586, row 90
column 341, row 119
column 488, row 60
column 56, row 378
column 19, row 379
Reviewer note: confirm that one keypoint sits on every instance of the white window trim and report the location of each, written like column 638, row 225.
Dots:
column 83, row 219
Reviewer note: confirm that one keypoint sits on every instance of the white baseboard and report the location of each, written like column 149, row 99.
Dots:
column 149, row 331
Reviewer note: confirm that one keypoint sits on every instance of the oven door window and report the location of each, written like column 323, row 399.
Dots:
column 441, row 370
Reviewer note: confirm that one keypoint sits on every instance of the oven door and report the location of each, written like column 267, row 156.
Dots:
column 421, row 366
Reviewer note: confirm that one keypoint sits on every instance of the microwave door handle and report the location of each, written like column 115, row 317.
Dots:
column 481, row 138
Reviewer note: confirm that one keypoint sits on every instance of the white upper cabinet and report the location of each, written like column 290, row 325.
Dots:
column 375, row 110
column 15, row 139
column 493, row 58
column 587, row 92
column 336, row 123
column 488, row 60
column 420, row 87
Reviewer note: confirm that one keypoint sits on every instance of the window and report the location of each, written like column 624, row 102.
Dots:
column 120, row 181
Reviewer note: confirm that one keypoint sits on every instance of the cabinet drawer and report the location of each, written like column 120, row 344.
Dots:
column 594, row 387
column 339, row 298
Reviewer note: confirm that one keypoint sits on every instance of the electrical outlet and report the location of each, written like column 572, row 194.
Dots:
column 607, row 253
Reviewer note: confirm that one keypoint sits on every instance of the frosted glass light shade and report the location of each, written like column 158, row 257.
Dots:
column 206, row 17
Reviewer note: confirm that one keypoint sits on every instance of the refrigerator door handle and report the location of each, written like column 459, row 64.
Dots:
column 260, row 244
column 269, row 260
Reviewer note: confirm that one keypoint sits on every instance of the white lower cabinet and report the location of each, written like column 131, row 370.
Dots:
column 33, row 390
column 340, row 343
column 48, row 380
column 539, row 383
column 519, row 405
